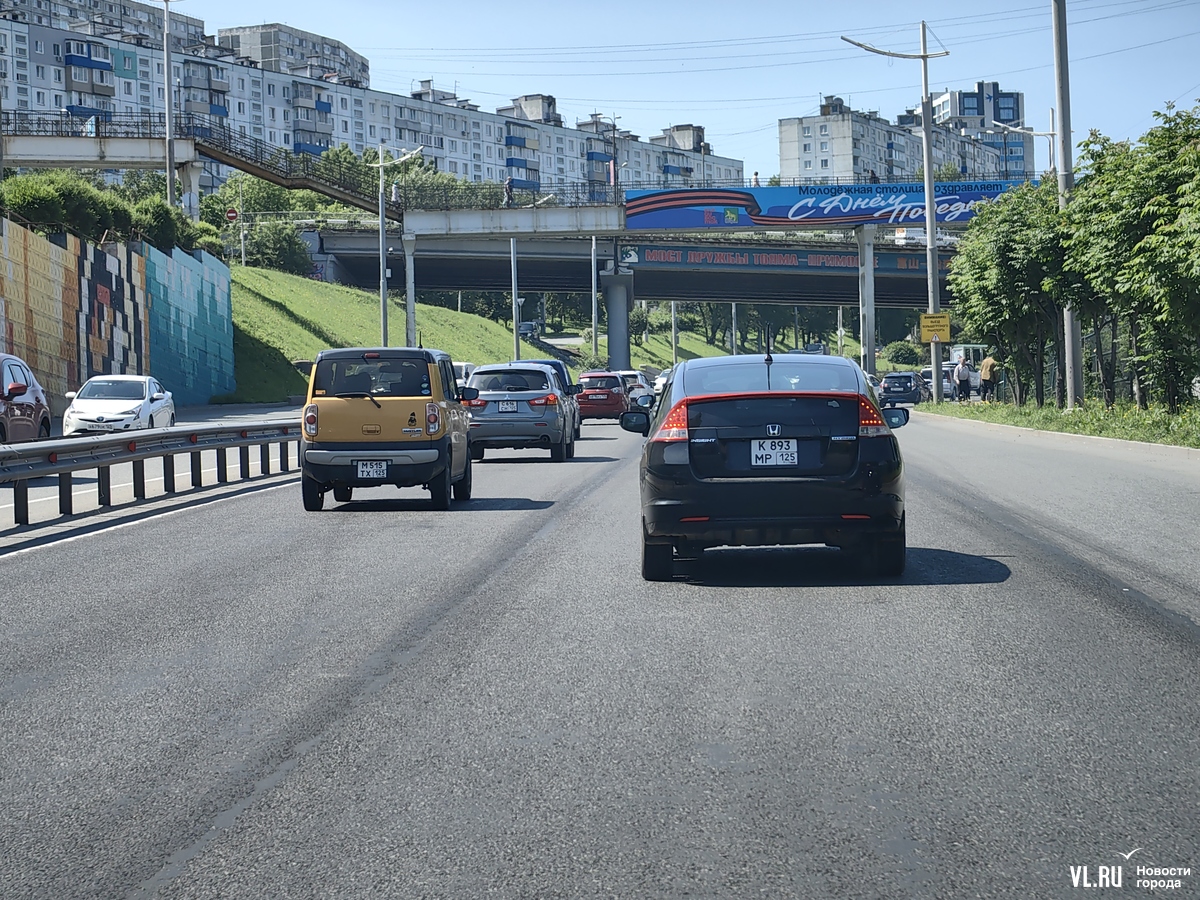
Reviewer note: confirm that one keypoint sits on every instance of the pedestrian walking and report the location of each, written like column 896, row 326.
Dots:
column 754, row 181
column 508, row 192
column 988, row 376
column 962, row 378
column 874, row 177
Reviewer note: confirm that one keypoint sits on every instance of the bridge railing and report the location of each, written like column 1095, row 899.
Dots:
column 22, row 463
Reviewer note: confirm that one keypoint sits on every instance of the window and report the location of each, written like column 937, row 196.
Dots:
column 344, row 104
column 808, row 147
column 824, row 129
column 824, row 164
column 270, row 90
column 808, row 131
column 39, row 47
column 241, row 107
column 39, row 71
column 824, row 146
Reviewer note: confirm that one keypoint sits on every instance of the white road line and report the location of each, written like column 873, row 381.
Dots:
column 151, row 518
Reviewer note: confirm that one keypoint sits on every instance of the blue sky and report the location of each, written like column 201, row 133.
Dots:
column 737, row 68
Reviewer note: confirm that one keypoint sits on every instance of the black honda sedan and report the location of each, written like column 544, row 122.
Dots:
column 763, row 451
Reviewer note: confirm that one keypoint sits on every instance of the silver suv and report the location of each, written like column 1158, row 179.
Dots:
column 521, row 406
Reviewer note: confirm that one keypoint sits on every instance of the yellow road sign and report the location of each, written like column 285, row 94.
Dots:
column 935, row 327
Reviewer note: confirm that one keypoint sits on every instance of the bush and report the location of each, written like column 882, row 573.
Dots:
column 33, row 200
column 638, row 323
column 589, row 363
column 902, row 353
column 158, row 223
column 277, row 245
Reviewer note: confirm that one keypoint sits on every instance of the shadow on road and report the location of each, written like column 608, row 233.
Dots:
column 534, row 460
column 828, row 567
column 480, row 504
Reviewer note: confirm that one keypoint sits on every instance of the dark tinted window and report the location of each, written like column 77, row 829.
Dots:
column 512, row 380
column 600, row 382
column 112, row 389
column 754, row 375
column 389, row 377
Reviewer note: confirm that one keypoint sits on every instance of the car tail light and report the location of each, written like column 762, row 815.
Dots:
column 548, row 400
column 475, row 404
column 433, row 418
column 870, row 423
column 310, row 420
column 675, row 425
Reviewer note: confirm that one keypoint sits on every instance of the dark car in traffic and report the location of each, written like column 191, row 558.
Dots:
column 759, row 451
column 903, row 387
column 24, row 404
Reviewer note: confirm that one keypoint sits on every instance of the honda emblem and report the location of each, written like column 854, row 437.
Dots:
column 774, row 430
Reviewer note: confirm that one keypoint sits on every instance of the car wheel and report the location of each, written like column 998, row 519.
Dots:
column 558, row 452
column 171, row 424
column 578, row 428
column 314, row 495
column 44, row 432
column 658, row 561
column 477, row 453
column 891, row 553
column 343, row 494
column 462, row 489
column 3, row 435
column 440, row 490
column 571, row 449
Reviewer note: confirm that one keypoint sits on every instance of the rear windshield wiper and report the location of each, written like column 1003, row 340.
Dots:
column 361, row 394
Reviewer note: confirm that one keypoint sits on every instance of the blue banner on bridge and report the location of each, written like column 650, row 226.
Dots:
column 767, row 259
column 804, row 206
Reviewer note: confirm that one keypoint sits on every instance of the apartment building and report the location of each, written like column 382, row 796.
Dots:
column 125, row 19
column 847, row 145
column 281, row 48
column 981, row 113
column 87, row 71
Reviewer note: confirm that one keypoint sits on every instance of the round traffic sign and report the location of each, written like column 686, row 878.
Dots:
column 231, row 215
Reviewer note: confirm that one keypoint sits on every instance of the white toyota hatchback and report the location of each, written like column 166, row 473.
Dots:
column 109, row 403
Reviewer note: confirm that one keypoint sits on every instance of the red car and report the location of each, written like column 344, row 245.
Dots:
column 603, row 396
column 24, row 406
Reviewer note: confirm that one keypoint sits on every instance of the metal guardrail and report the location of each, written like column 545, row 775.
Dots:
column 21, row 463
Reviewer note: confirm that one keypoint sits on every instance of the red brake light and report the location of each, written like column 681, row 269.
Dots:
column 475, row 404
column 675, row 425
column 548, row 400
column 870, row 423
column 310, row 420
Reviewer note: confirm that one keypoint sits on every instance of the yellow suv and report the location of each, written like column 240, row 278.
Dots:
column 391, row 415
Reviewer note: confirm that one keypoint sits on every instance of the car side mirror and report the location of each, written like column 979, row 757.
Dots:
column 468, row 393
column 158, row 395
column 574, row 389
column 16, row 389
column 70, row 395
column 637, row 421
column 896, row 416
column 645, row 401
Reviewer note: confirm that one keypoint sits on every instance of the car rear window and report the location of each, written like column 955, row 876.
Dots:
column 387, row 377
column 600, row 382
column 511, row 380
column 782, row 375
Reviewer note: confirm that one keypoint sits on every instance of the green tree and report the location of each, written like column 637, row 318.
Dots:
column 903, row 353
column 277, row 245
column 35, row 201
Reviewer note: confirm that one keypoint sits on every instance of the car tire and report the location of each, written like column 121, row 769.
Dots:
column 658, row 561
column 343, row 494
column 477, row 453
column 558, row 452
column 44, row 432
column 3, row 435
column 313, row 493
column 462, row 488
column 440, row 490
column 571, row 449
column 578, row 428
column 891, row 553
column 171, row 424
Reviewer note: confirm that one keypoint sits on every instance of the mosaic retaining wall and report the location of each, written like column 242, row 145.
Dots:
column 72, row 309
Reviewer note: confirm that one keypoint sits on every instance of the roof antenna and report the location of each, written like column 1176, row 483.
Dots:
column 420, row 346
column 768, row 359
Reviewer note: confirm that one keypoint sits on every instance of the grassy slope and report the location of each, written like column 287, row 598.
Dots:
column 1124, row 421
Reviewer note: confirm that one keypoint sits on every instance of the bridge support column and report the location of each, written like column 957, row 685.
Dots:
column 618, row 294
column 410, row 290
column 189, row 175
column 866, row 294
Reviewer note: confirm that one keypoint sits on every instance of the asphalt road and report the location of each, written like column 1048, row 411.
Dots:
column 242, row 700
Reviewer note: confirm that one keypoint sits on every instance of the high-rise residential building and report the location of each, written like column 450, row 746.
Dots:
column 977, row 113
column 842, row 144
column 281, row 48
column 122, row 19
column 87, row 71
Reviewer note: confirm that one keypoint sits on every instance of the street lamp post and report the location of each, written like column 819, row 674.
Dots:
column 1048, row 135
column 931, row 253
column 170, row 129
column 383, row 266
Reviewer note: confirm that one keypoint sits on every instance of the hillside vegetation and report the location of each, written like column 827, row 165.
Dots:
column 279, row 318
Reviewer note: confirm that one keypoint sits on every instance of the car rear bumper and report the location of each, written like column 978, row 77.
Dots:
column 746, row 512
column 518, row 435
column 408, row 465
column 598, row 411
column 886, row 397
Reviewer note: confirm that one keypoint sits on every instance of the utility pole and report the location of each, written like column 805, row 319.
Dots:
column 931, row 253
column 596, row 302
column 674, row 335
column 1073, row 340
column 516, row 309
column 242, row 213
column 170, row 128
